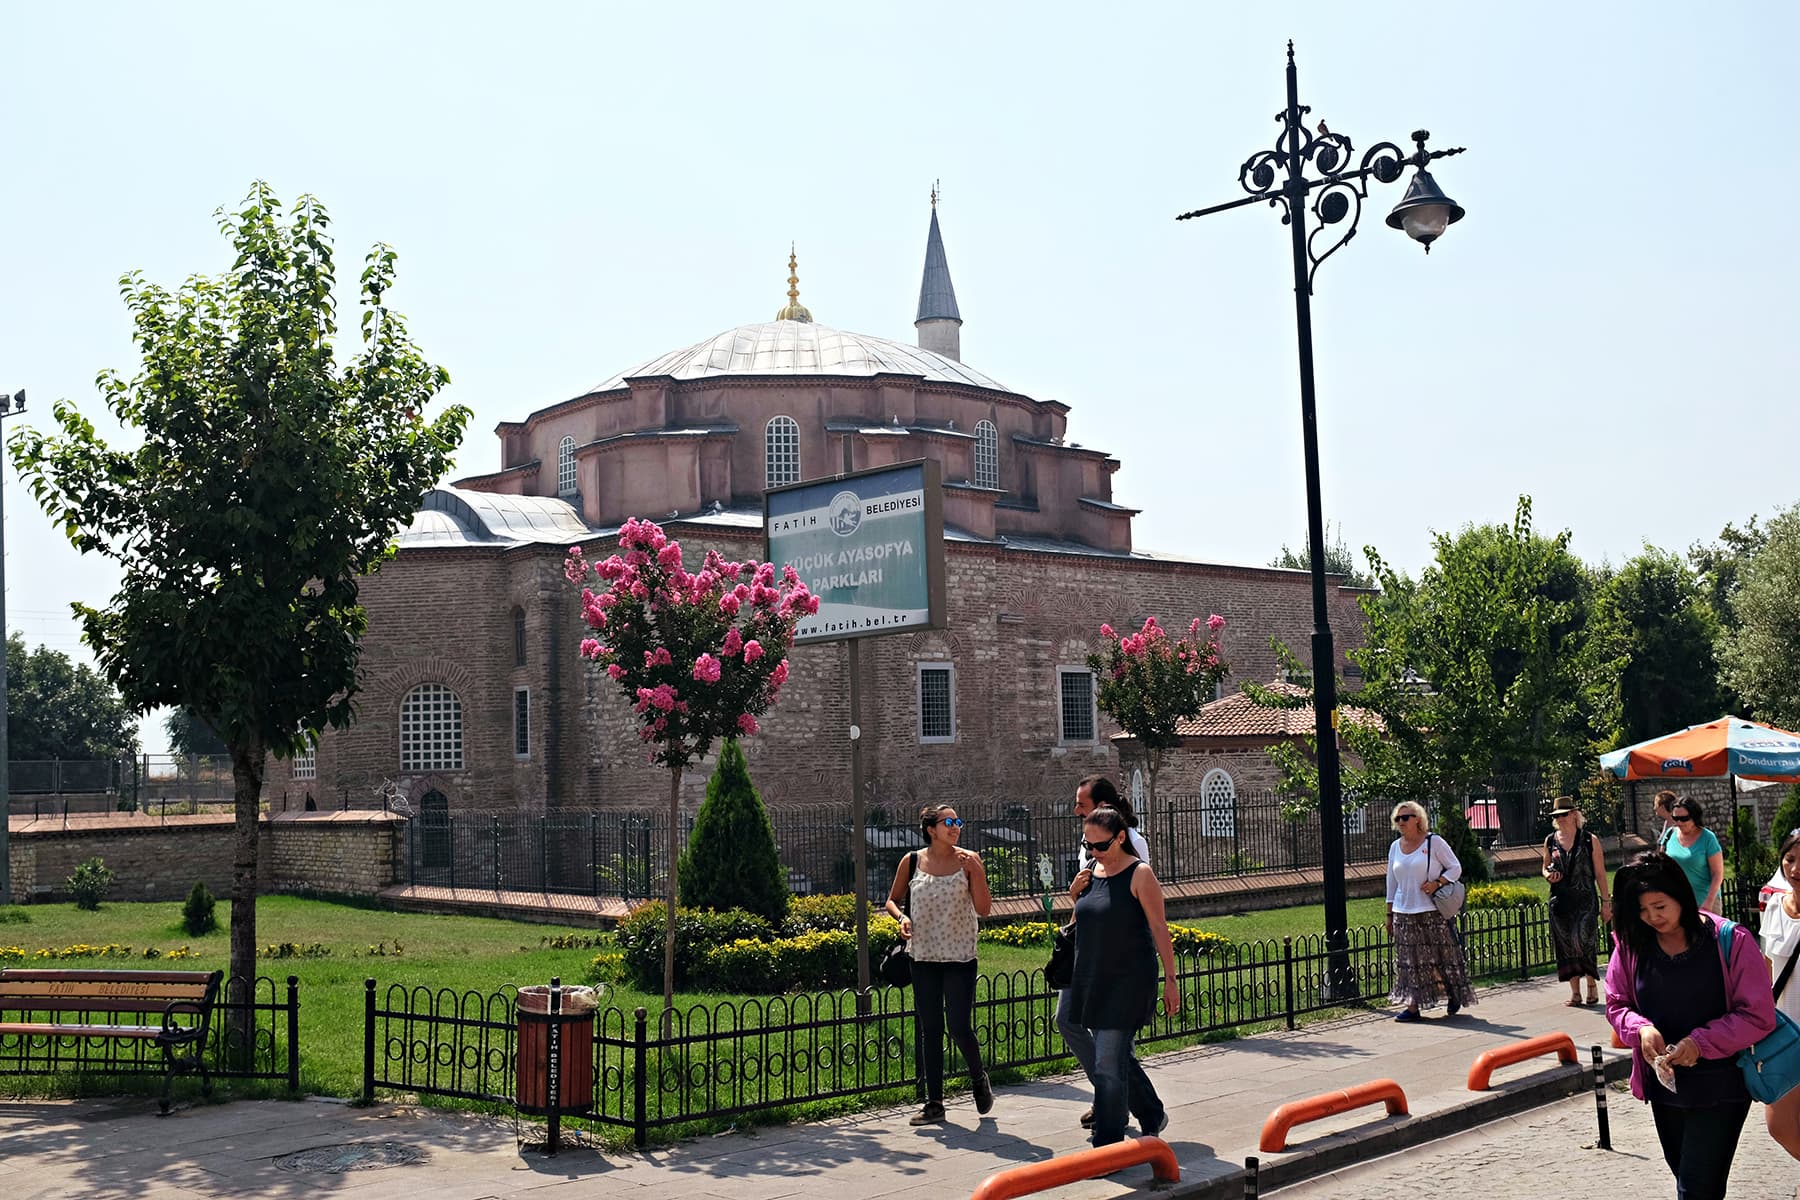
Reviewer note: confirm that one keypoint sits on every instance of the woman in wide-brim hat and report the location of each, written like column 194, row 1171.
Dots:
column 1576, row 868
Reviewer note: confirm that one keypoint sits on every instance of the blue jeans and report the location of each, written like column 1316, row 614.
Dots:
column 1120, row 1087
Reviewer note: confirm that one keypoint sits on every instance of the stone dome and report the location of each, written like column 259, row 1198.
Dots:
column 799, row 348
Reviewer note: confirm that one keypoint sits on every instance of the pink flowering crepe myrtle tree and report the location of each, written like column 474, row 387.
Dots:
column 1148, row 682
column 699, row 656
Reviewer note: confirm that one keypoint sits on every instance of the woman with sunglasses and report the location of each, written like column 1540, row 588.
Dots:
column 1425, row 950
column 1781, row 946
column 944, row 891
column 1696, row 851
column 1674, row 998
column 1576, row 868
column 1120, row 934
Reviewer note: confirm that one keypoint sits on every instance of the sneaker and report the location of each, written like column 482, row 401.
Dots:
column 1408, row 1014
column 1162, row 1123
column 931, row 1114
column 984, row 1094
column 1087, row 1119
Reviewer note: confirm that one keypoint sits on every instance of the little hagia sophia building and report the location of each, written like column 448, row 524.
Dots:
column 473, row 697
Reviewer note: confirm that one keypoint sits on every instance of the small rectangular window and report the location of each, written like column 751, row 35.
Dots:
column 521, row 722
column 306, row 763
column 1075, row 688
column 937, row 703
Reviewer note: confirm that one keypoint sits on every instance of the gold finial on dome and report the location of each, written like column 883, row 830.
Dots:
column 795, row 311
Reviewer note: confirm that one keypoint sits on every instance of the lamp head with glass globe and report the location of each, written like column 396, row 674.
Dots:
column 1424, row 212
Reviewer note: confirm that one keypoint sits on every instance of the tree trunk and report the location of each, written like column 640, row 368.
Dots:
column 672, row 897
column 248, row 760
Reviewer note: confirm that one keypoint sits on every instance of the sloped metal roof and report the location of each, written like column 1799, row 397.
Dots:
column 937, row 295
column 459, row 517
column 798, row 348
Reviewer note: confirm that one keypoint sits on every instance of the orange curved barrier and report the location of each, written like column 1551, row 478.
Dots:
column 1482, row 1070
column 1618, row 1042
column 1295, row 1112
column 1083, row 1164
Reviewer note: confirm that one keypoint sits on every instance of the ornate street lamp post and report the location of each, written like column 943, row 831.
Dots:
column 1280, row 177
column 8, row 407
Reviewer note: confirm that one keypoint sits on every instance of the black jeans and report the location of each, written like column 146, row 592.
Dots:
column 943, row 990
column 1698, row 1144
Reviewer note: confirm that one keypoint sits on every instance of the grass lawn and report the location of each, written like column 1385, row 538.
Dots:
column 482, row 955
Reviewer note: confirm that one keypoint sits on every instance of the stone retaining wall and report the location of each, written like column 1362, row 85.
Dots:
column 158, row 858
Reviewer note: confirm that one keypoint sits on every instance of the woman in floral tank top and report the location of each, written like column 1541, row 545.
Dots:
column 938, row 895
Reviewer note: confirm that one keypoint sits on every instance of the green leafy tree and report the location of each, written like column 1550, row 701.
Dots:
column 731, row 859
column 57, row 708
column 1669, row 628
column 1148, row 683
column 1339, row 559
column 1761, row 655
column 1495, row 661
column 1453, row 827
column 1359, row 735
column 265, row 480
column 188, row 734
column 1720, row 566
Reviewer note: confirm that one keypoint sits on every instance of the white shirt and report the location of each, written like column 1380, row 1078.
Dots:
column 1132, row 836
column 1407, row 874
column 1780, row 940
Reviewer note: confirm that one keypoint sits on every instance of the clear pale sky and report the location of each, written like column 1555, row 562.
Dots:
column 575, row 189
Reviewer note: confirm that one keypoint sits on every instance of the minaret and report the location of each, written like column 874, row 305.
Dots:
column 796, row 311
column 939, row 323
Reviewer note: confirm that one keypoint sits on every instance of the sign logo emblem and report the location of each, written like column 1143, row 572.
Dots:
column 845, row 513
column 1677, row 764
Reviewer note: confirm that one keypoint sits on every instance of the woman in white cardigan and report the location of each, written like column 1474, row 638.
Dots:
column 1425, row 950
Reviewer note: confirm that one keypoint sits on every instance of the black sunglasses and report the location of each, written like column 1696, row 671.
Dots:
column 1098, row 847
column 1405, row 817
column 1681, row 818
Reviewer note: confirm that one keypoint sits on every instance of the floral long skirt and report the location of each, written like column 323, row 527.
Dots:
column 1428, row 964
column 1574, row 921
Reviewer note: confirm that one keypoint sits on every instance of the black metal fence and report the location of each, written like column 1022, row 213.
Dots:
column 273, row 1050
column 55, row 776
column 761, row 1055
column 626, row 854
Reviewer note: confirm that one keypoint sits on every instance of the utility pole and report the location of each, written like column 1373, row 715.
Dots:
column 8, row 407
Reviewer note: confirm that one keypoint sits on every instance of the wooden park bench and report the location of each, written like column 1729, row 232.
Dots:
column 86, row 1004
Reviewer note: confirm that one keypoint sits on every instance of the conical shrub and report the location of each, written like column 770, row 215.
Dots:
column 731, row 860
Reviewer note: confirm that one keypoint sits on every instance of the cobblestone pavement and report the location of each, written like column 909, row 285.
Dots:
column 1550, row 1154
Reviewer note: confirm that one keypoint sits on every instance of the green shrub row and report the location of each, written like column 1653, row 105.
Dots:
column 1502, row 895
column 1199, row 942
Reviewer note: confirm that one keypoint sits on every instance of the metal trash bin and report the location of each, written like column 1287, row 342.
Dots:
column 554, row 1067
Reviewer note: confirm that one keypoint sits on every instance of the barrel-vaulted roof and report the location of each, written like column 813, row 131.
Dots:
column 801, row 348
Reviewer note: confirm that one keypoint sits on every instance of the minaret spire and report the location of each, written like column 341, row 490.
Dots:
column 939, row 322
column 795, row 311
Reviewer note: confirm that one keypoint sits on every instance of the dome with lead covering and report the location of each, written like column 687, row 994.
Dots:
column 801, row 348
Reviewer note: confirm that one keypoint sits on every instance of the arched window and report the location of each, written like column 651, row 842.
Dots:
column 565, row 467
column 1218, row 804
column 781, row 451
column 987, row 455
column 518, row 627
column 431, row 733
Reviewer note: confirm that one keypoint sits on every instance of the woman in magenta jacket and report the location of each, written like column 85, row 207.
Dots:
column 1677, row 1002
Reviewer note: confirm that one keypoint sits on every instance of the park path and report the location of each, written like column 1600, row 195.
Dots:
column 1219, row 1096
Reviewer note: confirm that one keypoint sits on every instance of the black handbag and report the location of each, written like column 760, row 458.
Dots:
column 895, row 967
column 1059, row 972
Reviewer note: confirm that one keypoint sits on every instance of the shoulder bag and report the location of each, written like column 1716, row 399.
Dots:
column 1059, row 972
column 1772, row 1066
column 896, row 965
column 1450, row 896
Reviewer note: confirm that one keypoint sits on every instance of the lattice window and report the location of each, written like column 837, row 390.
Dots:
column 987, row 455
column 518, row 626
column 431, row 733
column 521, row 722
column 937, row 703
column 306, row 763
column 1218, row 804
column 781, row 445
column 565, row 467
column 1075, row 688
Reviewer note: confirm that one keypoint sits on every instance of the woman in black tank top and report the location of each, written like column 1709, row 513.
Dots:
column 1120, row 933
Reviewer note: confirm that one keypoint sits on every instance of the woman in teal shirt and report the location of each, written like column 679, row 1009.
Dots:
column 1696, row 851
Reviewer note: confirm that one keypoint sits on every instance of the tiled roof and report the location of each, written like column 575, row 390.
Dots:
column 1239, row 716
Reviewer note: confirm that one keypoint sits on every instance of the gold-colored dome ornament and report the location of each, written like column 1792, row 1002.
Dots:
column 795, row 311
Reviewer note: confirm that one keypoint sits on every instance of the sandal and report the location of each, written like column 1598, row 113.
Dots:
column 1574, row 1002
